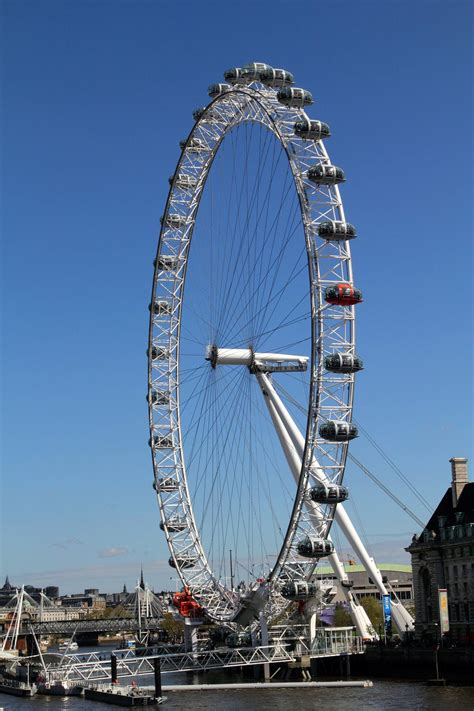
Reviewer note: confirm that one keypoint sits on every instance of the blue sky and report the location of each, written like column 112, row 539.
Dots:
column 95, row 98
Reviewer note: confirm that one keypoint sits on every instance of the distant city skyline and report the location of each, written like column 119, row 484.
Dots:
column 96, row 97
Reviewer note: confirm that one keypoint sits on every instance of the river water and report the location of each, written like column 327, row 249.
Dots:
column 383, row 696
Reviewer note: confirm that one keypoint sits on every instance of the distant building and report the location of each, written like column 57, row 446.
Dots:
column 443, row 557
column 119, row 598
column 398, row 578
column 91, row 599
column 6, row 592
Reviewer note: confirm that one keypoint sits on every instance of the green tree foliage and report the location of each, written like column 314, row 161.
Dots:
column 174, row 628
column 341, row 617
column 373, row 608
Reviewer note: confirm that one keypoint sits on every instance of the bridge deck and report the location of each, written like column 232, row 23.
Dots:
column 92, row 667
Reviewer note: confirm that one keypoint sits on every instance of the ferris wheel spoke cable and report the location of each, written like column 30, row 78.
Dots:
column 212, row 432
column 277, row 473
column 262, row 291
column 264, row 212
column 249, row 299
column 291, row 279
column 230, row 391
column 257, row 334
column 384, row 488
column 397, row 470
column 286, row 321
column 240, row 242
column 270, row 235
column 360, row 525
column 232, row 474
column 358, row 463
column 262, row 282
column 262, row 495
column 219, row 483
column 289, row 230
column 250, row 272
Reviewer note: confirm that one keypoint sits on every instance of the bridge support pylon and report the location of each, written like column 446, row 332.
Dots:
column 191, row 634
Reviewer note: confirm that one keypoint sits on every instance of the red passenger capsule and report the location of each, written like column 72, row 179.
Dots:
column 342, row 295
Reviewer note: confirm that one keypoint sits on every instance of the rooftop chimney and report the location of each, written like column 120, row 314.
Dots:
column 459, row 477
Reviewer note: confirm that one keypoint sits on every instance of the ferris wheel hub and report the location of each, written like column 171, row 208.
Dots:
column 256, row 362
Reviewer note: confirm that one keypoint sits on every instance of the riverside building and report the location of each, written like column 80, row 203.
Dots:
column 443, row 558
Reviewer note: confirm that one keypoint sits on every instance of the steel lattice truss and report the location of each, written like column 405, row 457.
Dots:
column 69, row 627
column 89, row 668
column 332, row 331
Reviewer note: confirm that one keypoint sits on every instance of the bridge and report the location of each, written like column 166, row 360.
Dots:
column 88, row 625
column 93, row 668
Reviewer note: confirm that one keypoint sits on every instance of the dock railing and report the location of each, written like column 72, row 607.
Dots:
column 335, row 641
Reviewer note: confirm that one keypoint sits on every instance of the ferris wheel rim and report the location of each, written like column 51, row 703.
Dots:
column 260, row 97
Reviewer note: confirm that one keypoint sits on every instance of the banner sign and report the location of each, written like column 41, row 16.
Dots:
column 387, row 613
column 443, row 610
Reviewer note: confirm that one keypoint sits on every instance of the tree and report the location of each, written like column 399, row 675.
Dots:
column 341, row 616
column 174, row 628
column 373, row 608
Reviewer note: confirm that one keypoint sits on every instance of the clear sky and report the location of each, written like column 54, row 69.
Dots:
column 95, row 98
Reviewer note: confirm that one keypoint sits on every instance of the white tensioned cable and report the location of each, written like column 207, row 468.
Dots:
column 332, row 330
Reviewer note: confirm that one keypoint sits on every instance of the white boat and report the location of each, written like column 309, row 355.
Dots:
column 69, row 646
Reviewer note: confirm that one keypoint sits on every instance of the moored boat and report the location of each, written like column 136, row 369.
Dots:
column 59, row 688
column 121, row 695
column 14, row 687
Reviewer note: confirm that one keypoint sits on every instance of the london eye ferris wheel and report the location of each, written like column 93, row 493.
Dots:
column 251, row 357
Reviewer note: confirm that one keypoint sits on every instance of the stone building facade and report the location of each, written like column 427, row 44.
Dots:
column 443, row 557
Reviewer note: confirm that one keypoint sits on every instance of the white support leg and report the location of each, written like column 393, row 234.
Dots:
column 359, row 616
column 401, row 616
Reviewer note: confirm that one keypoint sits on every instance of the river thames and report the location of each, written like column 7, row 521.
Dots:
column 384, row 695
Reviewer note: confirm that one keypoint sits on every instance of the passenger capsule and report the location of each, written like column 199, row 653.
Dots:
column 156, row 397
column 296, row 98
column 299, row 590
column 315, row 547
column 235, row 75
column 207, row 115
column 276, row 77
column 347, row 583
column 342, row 295
column 166, row 484
column 218, row 89
column 161, row 441
column 338, row 431
column 161, row 308
column 329, row 494
column 253, row 71
column 158, row 353
column 173, row 220
column 343, row 363
column 195, row 145
column 183, row 561
column 326, row 175
column 166, row 262
column 199, row 113
column 174, row 524
column 183, row 181
column 336, row 231
column 312, row 130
